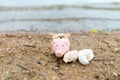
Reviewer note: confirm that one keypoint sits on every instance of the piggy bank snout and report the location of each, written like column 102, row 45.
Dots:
column 59, row 53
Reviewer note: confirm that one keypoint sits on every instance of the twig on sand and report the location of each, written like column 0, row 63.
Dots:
column 28, row 45
column 22, row 67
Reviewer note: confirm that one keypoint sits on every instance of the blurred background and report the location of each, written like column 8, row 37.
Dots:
column 59, row 15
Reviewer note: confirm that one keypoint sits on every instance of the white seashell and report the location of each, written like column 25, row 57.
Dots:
column 70, row 56
column 85, row 55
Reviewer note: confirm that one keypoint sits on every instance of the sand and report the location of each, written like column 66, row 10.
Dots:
column 27, row 56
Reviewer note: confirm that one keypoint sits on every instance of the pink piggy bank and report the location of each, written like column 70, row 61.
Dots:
column 60, row 46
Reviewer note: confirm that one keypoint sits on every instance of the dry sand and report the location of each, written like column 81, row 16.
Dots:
column 27, row 56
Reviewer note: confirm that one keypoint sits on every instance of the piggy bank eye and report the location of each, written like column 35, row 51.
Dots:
column 62, row 45
column 56, row 45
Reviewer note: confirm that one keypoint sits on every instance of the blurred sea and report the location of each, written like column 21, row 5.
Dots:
column 59, row 15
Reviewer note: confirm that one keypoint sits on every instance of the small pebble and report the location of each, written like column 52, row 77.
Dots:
column 29, row 37
column 39, row 62
column 111, row 62
column 115, row 74
column 116, row 50
column 56, row 68
column 73, row 65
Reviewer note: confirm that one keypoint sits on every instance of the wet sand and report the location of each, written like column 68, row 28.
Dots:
column 27, row 56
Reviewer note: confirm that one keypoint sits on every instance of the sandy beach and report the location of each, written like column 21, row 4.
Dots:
column 27, row 56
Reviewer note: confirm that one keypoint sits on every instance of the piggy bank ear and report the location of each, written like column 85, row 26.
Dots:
column 67, row 35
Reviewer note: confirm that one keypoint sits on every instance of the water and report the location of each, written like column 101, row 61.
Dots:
column 64, row 15
column 19, row 3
